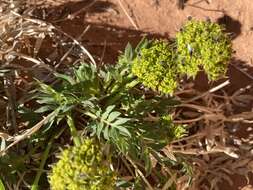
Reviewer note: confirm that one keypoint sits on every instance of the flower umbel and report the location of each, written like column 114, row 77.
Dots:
column 82, row 167
column 203, row 44
column 156, row 66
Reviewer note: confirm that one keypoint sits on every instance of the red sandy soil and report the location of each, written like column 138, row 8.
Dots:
column 111, row 27
column 164, row 17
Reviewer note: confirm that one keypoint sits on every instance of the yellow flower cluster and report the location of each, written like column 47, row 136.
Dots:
column 156, row 67
column 202, row 44
column 82, row 167
column 199, row 45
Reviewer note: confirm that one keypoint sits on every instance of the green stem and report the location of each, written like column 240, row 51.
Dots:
column 122, row 85
column 35, row 185
column 2, row 185
column 73, row 130
column 132, row 84
column 93, row 116
column 116, row 94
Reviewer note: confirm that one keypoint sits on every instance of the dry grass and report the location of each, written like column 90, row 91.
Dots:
column 215, row 150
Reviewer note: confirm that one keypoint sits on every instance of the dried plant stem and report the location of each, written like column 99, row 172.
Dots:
column 73, row 15
column 26, row 134
column 220, row 86
column 189, row 120
column 200, row 134
column 11, row 94
column 170, row 181
column 140, row 173
column 35, row 61
column 51, row 27
column 211, row 10
column 21, row 176
column 103, row 52
column 198, row 152
column 78, row 44
column 127, row 165
column 71, row 48
column 128, row 16
column 242, row 71
column 198, row 108
column 242, row 117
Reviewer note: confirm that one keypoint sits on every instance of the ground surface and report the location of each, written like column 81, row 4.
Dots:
column 163, row 17
column 116, row 22
column 113, row 23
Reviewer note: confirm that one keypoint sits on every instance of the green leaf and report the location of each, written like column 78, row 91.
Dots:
column 107, row 112
column 123, row 130
column 113, row 116
column 106, row 133
column 86, row 72
column 142, row 44
column 1, row 185
column 147, row 161
column 46, row 88
column 114, row 134
column 88, row 103
column 93, row 127
column 46, row 100
column 120, row 121
column 66, row 108
column 99, row 129
column 123, row 184
column 66, row 78
column 43, row 109
column 129, row 52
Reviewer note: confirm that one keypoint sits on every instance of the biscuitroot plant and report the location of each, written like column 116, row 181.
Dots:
column 127, row 108
column 82, row 167
column 203, row 45
column 156, row 66
column 198, row 46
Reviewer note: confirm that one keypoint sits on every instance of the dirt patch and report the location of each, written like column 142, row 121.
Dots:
column 164, row 17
